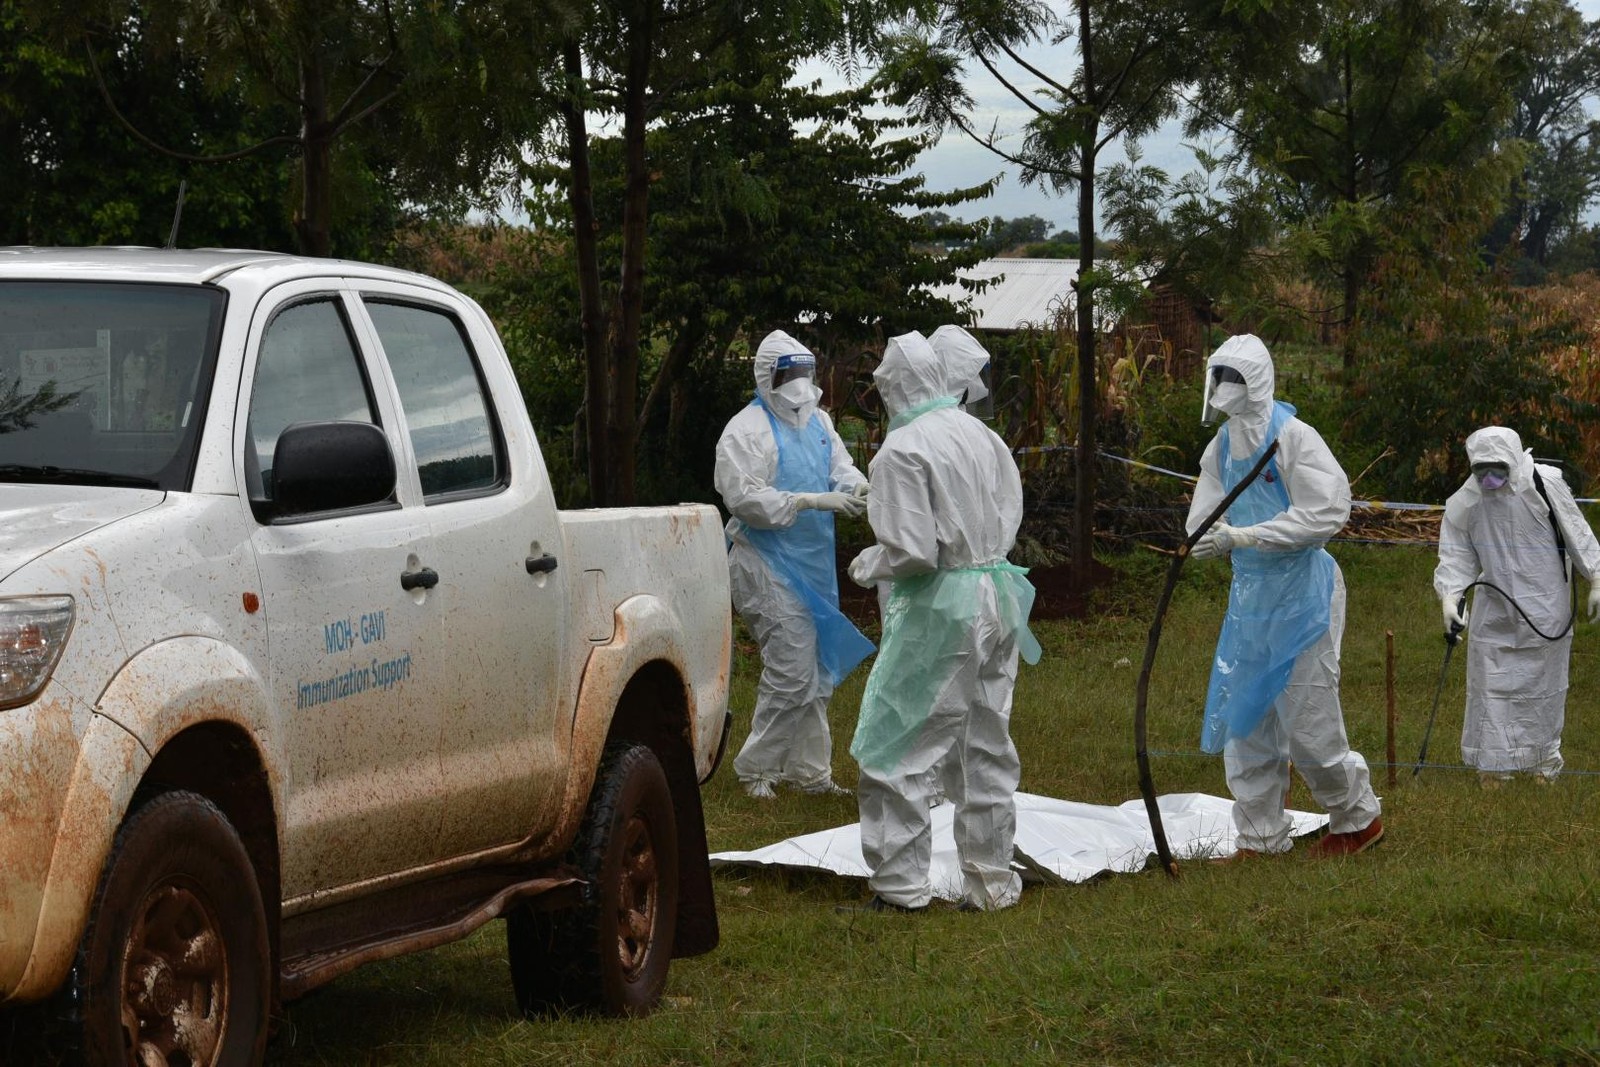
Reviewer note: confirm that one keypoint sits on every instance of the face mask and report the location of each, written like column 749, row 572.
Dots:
column 796, row 392
column 1230, row 398
column 1492, row 480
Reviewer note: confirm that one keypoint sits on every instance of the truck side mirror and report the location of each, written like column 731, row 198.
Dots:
column 330, row 466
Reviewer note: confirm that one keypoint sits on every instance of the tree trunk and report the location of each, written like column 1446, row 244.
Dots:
column 622, row 428
column 314, row 227
column 580, row 196
column 1352, row 297
column 1084, row 489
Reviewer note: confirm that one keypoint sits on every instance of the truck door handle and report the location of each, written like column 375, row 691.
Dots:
column 426, row 578
column 541, row 564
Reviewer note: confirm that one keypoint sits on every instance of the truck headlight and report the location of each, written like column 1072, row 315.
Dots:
column 33, row 631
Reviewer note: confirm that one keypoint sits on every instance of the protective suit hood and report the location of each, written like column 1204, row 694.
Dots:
column 1492, row 444
column 964, row 359
column 774, row 346
column 1500, row 444
column 1247, row 355
column 910, row 374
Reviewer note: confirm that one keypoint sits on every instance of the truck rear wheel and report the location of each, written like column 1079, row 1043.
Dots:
column 611, row 953
column 174, row 966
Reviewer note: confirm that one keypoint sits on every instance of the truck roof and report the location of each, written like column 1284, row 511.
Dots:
column 194, row 266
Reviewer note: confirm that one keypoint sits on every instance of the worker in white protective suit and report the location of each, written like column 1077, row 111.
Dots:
column 783, row 474
column 1274, row 691
column 945, row 506
column 1512, row 529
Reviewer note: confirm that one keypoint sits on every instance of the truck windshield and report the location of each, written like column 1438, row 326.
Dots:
column 104, row 383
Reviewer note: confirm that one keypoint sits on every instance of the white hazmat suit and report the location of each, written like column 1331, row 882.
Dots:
column 1274, row 694
column 791, row 516
column 945, row 506
column 1516, row 680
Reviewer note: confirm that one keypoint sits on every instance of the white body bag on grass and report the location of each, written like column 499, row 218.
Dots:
column 1064, row 839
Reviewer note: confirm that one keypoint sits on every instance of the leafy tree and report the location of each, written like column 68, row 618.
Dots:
column 1007, row 234
column 1560, row 57
column 1339, row 112
column 756, row 225
column 1132, row 57
column 425, row 102
column 1460, row 349
column 627, row 63
column 73, row 177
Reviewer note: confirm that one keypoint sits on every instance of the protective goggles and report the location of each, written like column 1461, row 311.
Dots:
column 1220, row 374
column 794, row 365
column 1491, row 475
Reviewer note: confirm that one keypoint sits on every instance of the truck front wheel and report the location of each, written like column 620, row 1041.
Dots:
column 173, row 968
column 611, row 953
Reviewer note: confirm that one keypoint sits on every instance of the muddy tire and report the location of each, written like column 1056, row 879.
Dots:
column 174, row 966
column 610, row 954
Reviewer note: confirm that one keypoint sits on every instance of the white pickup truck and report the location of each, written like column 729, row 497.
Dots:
column 301, row 667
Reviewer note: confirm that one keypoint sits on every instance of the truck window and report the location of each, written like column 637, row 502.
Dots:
column 105, row 383
column 453, row 432
column 308, row 371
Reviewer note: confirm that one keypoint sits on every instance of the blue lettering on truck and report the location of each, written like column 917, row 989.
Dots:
column 382, row 675
column 341, row 635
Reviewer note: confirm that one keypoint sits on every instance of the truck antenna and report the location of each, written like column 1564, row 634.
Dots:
column 177, row 215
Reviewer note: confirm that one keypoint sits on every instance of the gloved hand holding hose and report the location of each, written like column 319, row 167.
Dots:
column 843, row 503
column 1222, row 539
column 1451, row 607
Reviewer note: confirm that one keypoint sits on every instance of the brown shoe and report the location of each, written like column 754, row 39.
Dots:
column 1348, row 844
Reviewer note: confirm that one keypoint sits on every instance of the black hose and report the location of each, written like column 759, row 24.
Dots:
column 1565, row 630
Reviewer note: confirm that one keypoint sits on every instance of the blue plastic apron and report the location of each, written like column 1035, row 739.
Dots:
column 802, row 555
column 1278, row 605
column 925, row 622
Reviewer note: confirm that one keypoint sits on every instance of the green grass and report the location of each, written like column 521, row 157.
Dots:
column 1471, row 936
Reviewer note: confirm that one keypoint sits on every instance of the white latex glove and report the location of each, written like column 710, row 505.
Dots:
column 858, row 571
column 1451, row 614
column 1594, row 602
column 1222, row 539
column 843, row 503
column 861, row 491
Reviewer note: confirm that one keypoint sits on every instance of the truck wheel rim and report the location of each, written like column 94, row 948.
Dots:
column 636, row 904
column 175, row 982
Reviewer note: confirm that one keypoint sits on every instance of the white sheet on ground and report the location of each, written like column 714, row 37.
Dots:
column 1072, row 840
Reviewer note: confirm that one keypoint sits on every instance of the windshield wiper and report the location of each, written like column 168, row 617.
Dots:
column 25, row 472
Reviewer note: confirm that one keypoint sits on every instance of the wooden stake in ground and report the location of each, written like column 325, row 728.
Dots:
column 1388, row 686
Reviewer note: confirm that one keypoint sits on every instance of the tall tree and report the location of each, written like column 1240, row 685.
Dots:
column 774, row 205
column 432, row 94
column 623, row 63
column 1116, row 86
column 1559, row 54
column 73, row 177
column 1339, row 114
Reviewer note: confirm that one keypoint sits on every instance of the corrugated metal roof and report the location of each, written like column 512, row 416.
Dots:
column 1022, row 292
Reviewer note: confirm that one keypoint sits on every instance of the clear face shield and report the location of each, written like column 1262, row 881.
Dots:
column 794, row 377
column 1224, row 394
column 978, row 399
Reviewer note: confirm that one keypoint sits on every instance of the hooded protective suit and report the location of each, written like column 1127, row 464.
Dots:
column 1516, row 680
column 945, row 506
column 1274, row 693
column 783, row 472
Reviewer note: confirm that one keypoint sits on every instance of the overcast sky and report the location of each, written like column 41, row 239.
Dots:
column 957, row 161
